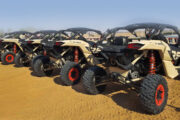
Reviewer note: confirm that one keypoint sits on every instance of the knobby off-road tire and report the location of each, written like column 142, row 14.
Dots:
column 91, row 78
column 7, row 58
column 34, row 60
column 19, row 60
column 40, row 65
column 70, row 73
column 154, row 93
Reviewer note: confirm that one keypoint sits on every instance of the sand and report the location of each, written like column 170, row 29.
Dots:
column 23, row 96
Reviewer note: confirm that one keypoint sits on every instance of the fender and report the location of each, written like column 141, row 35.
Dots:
column 84, row 47
column 16, row 41
column 36, row 41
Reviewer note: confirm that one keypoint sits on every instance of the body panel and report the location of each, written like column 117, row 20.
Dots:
column 163, row 49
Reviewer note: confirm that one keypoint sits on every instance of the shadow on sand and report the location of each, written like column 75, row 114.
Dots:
column 57, row 80
column 55, row 73
column 118, row 93
column 176, row 108
column 128, row 100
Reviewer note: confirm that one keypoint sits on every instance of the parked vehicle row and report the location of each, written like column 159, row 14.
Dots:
column 137, row 55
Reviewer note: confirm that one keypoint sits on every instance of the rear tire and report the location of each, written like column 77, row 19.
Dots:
column 91, row 79
column 7, row 58
column 34, row 60
column 19, row 60
column 154, row 93
column 70, row 73
column 40, row 65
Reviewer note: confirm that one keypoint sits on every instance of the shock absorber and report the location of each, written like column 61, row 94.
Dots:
column 76, row 55
column 152, row 63
column 15, row 48
column 45, row 52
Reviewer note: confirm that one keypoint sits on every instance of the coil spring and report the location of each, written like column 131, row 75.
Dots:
column 152, row 63
column 15, row 48
column 76, row 55
column 45, row 52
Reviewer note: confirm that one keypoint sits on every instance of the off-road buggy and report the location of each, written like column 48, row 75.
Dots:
column 45, row 64
column 150, row 54
column 89, row 53
column 32, row 47
column 10, row 45
column 59, row 52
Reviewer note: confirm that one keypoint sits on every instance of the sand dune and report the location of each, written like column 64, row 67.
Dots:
column 24, row 96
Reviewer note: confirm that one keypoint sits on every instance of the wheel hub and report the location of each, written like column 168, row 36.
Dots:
column 159, row 97
column 9, row 58
column 73, row 74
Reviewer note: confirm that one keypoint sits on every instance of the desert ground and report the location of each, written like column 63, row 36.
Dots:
column 23, row 96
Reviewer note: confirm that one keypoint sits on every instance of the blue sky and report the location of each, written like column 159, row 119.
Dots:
column 98, row 14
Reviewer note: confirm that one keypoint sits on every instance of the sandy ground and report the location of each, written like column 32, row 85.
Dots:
column 24, row 96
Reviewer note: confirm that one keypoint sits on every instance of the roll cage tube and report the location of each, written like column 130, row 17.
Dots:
column 53, row 38
column 16, row 34
column 176, row 32
column 59, row 33
column 156, row 26
column 44, row 34
column 62, row 32
column 112, row 33
column 82, row 31
column 73, row 35
column 120, row 28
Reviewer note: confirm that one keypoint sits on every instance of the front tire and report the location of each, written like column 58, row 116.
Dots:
column 41, row 67
column 70, row 73
column 7, row 58
column 154, row 93
column 92, row 77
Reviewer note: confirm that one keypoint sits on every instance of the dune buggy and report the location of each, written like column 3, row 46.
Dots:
column 32, row 47
column 59, row 52
column 84, row 54
column 152, row 52
column 43, row 64
column 10, row 46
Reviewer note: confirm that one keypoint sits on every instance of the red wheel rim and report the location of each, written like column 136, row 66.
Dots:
column 73, row 74
column 159, row 98
column 9, row 58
